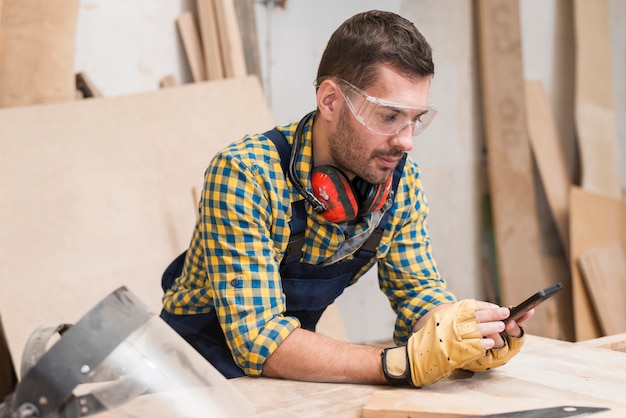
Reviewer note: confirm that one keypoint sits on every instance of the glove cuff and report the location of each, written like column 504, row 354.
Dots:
column 396, row 368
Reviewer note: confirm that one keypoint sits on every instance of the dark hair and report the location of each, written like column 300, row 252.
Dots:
column 366, row 40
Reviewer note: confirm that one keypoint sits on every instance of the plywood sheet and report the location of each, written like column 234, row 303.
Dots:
column 596, row 220
column 37, row 51
column 249, row 38
column 549, row 155
column 615, row 342
column 523, row 267
column 603, row 270
column 209, row 33
column 231, row 44
column 96, row 193
column 191, row 41
column 595, row 121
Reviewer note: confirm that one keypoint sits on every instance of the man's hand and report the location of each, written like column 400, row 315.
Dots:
column 507, row 344
column 449, row 339
column 453, row 336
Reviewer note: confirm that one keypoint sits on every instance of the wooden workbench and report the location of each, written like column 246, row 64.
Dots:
column 547, row 373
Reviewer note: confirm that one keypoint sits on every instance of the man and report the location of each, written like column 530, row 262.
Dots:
column 289, row 218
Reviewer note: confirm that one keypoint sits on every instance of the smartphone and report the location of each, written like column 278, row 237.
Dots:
column 518, row 311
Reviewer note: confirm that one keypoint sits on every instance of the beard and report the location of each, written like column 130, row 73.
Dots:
column 352, row 158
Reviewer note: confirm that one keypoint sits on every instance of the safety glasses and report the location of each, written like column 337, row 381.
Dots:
column 383, row 117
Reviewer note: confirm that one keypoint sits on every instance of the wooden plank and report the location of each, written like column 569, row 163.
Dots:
column 191, row 41
column 37, row 51
column 596, row 220
column 615, row 342
column 522, row 266
column 548, row 153
column 409, row 403
column 247, row 25
column 86, row 86
column 210, row 39
column 595, row 120
column 230, row 39
column 167, row 81
column 95, row 194
column 603, row 270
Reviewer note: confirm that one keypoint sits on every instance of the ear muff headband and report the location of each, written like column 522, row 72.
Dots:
column 317, row 205
column 334, row 196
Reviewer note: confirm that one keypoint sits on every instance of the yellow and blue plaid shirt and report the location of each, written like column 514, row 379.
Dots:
column 232, row 265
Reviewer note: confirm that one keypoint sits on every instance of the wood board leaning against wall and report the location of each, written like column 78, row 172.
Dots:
column 224, row 42
column 97, row 193
column 37, row 40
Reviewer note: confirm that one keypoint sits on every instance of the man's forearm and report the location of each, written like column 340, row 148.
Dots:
column 309, row 356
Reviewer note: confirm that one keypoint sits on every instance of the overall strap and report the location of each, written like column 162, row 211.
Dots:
column 282, row 146
column 298, row 209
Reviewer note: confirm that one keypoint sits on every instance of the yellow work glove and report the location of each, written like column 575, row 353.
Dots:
column 449, row 340
column 497, row 357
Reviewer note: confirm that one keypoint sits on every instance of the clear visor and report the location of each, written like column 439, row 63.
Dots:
column 383, row 117
column 173, row 379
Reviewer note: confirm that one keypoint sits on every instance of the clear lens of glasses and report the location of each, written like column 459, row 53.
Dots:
column 385, row 117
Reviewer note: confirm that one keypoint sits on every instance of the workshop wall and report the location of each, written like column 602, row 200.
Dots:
column 128, row 47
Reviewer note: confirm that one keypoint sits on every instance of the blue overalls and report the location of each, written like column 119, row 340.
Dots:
column 308, row 288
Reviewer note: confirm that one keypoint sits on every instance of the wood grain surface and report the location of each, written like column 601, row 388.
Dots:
column 209, row 33
column 546, row 372
column 37, row 43
column 549, row 155
column 603, row 270
column 596, row 220
column 595, row 121
column 231, row 43
column 190, row 36
column 616, row 342
column 95, row 194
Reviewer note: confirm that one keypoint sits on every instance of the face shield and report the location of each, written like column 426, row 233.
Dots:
column 120, row 357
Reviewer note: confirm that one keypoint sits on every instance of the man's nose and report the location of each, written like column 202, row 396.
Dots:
column 404, row 138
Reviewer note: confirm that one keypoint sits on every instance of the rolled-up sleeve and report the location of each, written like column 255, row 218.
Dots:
column 237, row 227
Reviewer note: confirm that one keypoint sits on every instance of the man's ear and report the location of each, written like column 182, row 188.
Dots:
column 327, row 97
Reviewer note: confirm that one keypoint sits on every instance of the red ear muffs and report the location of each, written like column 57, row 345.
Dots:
column 345, row 201
column 371, row 197
column 333, row 189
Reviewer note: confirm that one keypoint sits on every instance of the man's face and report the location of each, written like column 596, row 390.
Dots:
column 357, row 150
